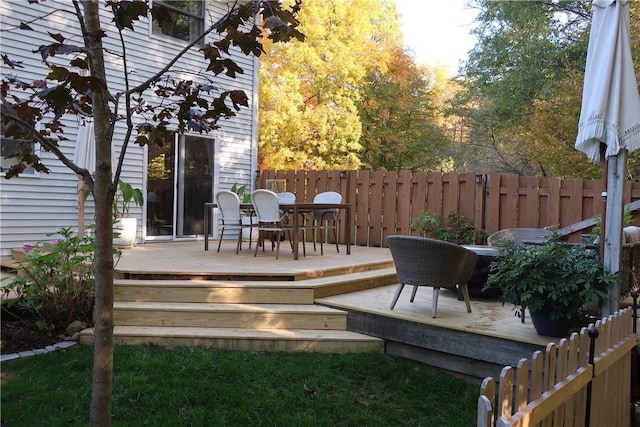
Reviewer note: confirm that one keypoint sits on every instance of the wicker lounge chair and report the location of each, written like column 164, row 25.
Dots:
column 428, row 262
column 518, row 235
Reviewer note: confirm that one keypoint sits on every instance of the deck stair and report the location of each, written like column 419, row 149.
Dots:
column 10, row 264
column 254, row 315
column 8, row 272
column 228, row 310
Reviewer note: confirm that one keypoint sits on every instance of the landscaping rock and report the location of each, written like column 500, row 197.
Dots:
column 75, row 326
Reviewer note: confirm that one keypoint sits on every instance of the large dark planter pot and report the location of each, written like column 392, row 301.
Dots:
column 550, row 327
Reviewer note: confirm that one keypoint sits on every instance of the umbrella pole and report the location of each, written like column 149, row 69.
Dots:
column 613, row 227
column 81, row 187
column 603, row 215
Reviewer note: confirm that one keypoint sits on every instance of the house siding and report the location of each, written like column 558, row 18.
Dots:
column 33, row 206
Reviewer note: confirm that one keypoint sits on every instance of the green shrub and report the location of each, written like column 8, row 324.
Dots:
column 553, row 277
column 453, row 227
column 56, row 282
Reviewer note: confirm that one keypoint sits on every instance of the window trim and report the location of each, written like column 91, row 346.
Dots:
column 173, row 9
column 29, row 171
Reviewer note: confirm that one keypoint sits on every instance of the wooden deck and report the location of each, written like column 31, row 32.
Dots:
column 178, row 294
column 190, row 260
column 475, row 344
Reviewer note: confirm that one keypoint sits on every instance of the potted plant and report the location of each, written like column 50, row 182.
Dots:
column 125, row 227
column 555, row 281
column 453, row 228
column 241, row 191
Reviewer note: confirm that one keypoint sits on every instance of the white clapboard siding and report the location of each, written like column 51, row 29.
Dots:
column 33, row 206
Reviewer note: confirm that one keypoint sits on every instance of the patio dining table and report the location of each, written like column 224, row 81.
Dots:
column 296, row 209
column 300, row 207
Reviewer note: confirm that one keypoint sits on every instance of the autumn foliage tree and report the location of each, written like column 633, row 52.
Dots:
column 76, row 85
column 399, row 118
column 309, row 92
column 524, row 86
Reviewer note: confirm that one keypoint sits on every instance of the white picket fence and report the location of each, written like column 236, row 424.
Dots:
column 552, row 389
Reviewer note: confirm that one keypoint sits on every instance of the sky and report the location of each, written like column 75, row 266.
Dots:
column 437, row 31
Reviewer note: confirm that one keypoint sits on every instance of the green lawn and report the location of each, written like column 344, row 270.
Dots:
column 156, row 386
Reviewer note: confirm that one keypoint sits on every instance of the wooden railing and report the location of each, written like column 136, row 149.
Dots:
column 384, row 203
column 580, row 379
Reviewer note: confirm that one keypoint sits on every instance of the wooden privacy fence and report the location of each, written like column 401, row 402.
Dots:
column 384, row 203
column 562, row 388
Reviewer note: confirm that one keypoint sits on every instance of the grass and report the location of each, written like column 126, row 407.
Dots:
column 156, row 386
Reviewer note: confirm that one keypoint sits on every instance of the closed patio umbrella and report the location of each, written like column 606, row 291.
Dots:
column 84, row 157
column 610, row 117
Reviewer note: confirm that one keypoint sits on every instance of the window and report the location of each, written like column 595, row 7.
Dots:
column 181, row 19
column 9, row 147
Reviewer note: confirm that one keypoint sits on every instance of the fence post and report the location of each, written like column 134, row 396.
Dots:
column 479, row 212
column 593, row 334
column 485, row 412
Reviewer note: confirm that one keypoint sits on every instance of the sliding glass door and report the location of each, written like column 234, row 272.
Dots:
column 180, row 181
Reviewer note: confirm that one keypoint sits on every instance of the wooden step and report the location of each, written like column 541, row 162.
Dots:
column 245, row 312
column 9, row 264
column 213, row 315
column 18, row 254
column 245, row 339
column 359, row 281
column 236, row 292
column 6, row 278
column 255, row 271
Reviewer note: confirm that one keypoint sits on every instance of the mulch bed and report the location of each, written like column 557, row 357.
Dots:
column 22, row 334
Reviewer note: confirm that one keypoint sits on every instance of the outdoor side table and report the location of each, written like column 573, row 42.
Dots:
column 486, row 255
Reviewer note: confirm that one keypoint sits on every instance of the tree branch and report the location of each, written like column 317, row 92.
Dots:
column 558, row 5
column 145, row 85
column 127, row 100
column 9, row 113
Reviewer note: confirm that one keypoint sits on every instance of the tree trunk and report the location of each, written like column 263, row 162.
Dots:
column 103, row 193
